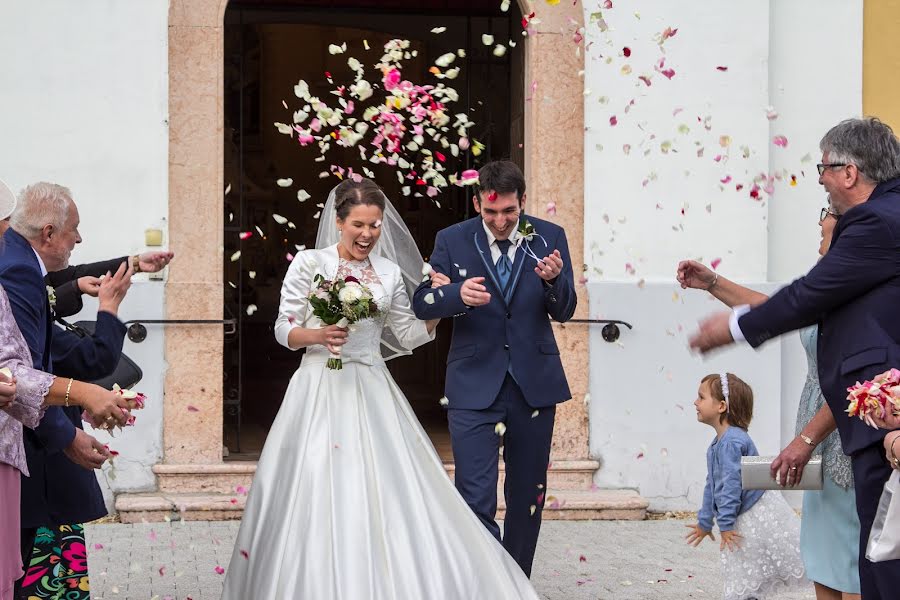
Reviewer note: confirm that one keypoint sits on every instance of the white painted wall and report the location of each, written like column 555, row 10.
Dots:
column 84, row 104
column 779, row 54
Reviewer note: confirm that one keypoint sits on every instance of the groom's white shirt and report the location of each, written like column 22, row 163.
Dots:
column 495, row 249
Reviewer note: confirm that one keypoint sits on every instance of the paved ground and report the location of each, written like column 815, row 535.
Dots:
column 587, row 560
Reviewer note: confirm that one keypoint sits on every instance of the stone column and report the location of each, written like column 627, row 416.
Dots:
column 554, row 160
column 194, row 288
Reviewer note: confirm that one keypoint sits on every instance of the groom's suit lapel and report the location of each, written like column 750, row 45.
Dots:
column 484, row 252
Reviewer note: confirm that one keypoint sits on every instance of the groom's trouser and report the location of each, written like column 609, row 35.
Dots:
column 526, row 454
column 878, row 581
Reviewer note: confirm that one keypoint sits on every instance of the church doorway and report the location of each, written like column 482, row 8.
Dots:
column 268, row 47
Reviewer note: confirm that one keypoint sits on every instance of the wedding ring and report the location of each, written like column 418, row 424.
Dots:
column 793, row 468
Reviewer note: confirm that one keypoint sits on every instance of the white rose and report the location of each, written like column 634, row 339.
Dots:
column 350, row 293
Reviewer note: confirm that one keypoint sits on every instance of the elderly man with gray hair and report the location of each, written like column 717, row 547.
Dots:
column 853, row 294
column 62, row 489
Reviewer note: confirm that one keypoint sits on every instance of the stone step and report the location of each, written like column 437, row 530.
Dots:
column 225, row 478
column 559, row 504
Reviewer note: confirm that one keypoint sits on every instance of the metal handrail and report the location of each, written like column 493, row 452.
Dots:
column 610, row 331
column 137, row 333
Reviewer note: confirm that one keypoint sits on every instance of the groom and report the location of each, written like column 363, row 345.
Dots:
column 509, row 275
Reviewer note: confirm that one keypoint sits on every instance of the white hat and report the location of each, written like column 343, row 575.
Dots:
column 7, row 201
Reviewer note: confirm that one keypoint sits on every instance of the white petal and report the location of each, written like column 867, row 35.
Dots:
column 279, row 219
column 303, row 195
column 499, row 50
column 487, row 39
column 286, row 182
column 439, row 30
column 429, row 298
column 500, row 428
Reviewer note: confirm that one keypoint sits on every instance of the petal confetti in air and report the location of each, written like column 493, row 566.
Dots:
column 500, row 428
column 287, row 182
column 192, row 408
column 444, row 401
column 235, row 256
column 438, row 29
column 715, row 263
column 721, row 68
column 487, row 39
column 245, row 554
column 780, row 140
column 244, row 235
column 279, row 219
column 219, row 570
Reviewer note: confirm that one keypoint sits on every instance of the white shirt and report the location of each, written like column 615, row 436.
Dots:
column 40, row 262
column 737, row 313
column 514, row 238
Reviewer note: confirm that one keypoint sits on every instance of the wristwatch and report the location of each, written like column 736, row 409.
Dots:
column 136, row 263
column 807, row 440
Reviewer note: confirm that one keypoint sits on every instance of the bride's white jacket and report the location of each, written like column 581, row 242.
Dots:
column 294, row 308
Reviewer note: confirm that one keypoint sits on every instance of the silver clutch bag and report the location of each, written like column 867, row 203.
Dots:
column 756, row 474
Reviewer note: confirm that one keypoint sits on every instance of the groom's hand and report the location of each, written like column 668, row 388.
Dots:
column 550, row 267
column 438, row 279
column 473, row 292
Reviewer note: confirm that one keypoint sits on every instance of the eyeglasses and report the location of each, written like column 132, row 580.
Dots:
column 826, row 212
column 822, row 166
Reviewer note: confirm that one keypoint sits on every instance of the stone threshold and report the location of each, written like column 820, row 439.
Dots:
column 559, row 505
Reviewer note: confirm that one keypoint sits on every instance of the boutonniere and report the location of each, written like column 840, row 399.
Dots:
column 51, row 298
column 527, row 232
column 526, row 229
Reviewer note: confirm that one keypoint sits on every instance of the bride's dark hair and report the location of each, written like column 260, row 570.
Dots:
column 350, row 193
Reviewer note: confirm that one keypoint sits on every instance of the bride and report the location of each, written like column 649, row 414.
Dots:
column 350, row 500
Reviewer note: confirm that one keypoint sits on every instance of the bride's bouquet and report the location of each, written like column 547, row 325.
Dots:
column 341, row 302
column 877, row 398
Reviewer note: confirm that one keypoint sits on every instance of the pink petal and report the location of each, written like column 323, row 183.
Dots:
column 726, row 179
column 220, row 570
column 245, row 554
column 780, row 140
column 715, row 263
column 192, row 408
column 246, row 234
column 669, row 73
column 720, row 68
column 613, row 121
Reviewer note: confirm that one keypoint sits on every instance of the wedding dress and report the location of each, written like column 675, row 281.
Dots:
column 350, row 500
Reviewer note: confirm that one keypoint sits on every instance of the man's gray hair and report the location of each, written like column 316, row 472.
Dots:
column 867, row 143
column 41, row 204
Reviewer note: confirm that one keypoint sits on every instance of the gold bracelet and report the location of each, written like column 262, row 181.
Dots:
column 68, row 389
column 136, row 263
column 807, row 440
column 714, row 282
column 894, row 458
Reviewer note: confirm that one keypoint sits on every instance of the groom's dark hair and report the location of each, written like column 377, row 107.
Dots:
column 501, row 176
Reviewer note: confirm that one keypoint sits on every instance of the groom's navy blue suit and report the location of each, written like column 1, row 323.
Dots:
column 853, row 293
column 503, row 366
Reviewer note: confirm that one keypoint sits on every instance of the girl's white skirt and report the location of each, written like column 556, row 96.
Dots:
column 769, row 557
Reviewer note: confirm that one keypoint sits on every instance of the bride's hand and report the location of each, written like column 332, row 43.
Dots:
column 438, row 279
column 333, row 337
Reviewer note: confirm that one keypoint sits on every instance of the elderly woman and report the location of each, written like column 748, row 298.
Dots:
column 829, row 532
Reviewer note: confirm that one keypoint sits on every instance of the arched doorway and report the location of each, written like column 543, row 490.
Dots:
column 268, row 47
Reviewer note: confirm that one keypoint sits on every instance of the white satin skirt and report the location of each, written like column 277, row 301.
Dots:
column 351, row 502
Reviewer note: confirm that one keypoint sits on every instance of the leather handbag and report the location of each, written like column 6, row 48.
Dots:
column 127, row 373
column 756, row 474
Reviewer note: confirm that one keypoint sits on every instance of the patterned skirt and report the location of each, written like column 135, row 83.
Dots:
column 58, row 569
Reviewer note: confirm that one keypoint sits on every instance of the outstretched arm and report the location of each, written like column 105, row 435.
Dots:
column 864, row 255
